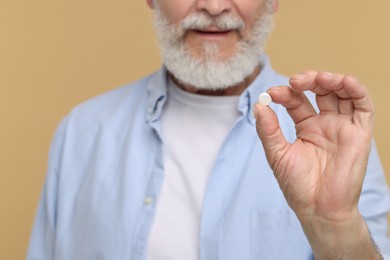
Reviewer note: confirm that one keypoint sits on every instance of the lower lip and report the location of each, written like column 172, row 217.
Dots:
column 212, row 36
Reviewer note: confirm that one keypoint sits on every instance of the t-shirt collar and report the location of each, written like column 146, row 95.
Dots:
column 158, row 88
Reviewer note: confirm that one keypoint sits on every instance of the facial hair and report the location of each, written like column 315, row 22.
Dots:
column 208, row 72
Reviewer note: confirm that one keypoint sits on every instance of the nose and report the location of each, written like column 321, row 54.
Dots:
column 214, row 7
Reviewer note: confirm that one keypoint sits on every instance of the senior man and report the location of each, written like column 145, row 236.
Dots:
column 171, row 166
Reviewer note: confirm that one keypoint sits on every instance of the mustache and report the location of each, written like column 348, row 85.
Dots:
column 201, row 21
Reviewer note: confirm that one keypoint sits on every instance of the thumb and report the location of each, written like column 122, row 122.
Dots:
column 270, row 134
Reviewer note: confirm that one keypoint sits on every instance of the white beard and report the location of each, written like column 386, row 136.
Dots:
column 207, row 72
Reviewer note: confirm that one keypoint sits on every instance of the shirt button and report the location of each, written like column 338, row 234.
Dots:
column 148, row 200
column 150, row 110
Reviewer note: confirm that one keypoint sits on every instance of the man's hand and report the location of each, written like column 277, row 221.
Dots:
column 321, row 174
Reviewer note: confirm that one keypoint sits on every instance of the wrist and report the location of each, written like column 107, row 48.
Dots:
column 339, row 239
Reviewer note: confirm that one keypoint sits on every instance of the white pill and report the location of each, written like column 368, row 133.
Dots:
column 265, row 99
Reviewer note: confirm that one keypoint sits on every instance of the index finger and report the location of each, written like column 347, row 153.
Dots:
column 344, row 86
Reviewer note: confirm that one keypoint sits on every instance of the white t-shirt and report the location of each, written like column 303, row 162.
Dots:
column 193, row 130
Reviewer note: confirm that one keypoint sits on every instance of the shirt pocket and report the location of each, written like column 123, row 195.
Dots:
column 277, row 234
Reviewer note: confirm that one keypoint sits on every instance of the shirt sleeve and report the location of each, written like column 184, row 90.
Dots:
column 43, row 236
column 374, row 204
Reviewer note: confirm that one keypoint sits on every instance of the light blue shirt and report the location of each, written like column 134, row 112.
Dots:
column 106, row 169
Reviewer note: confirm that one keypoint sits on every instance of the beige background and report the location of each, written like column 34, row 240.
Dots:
column 55, row 54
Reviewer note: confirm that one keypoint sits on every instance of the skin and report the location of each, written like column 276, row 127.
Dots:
column 321, row 174
column 248, row 10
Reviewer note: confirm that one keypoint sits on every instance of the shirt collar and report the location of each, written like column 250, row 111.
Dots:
column 262, row 82
column 158, row 88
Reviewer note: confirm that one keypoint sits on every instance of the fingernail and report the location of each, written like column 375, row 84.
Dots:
column 254, row 111
column 299, row 77
column 327, row 74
